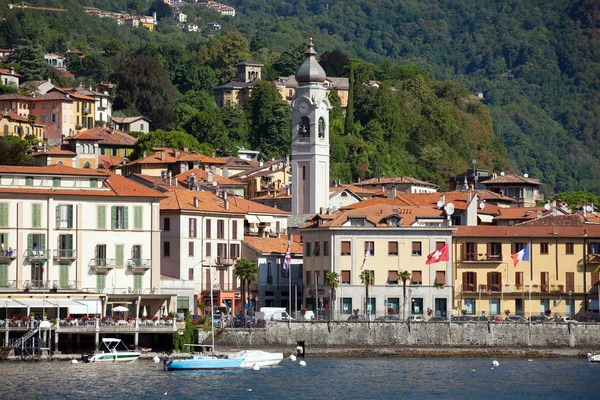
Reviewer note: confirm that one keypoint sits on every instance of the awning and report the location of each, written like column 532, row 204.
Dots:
column 486, row 219
column 10, row 303
column 252, row 219
column 35, row 303
column 86, row 306
column 266, row 219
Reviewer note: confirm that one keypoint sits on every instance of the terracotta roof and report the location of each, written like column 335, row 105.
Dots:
column 14, row 116
column 273, row 245
column 488, row 195
column 523, row 213
column 56, row 151
column 237, row 162
column 14, row 97
column 399, row 180
column 8, row 72
column 110, row 162
column 511, row 179
column 556, row 220
column 183, row 200
column 79, row 96
column 126, row 187
column 83, row 136
column 52, row 95
column 363, row 191
column 110, row 136
column 55, row 169
column 253, row 207
column 527, row 232
column 128, row 120
column 170, row 158
column 378, row 201
column 202, row 174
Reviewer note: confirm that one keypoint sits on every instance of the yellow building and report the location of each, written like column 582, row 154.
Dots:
column 84, row 111
column 14, row 124
column 396, row 238
column 559, row 277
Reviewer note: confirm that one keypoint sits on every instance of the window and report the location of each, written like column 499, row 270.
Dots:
column 494, row 281
column 100, row 282
column 544, row 281
column 43, row 106
column 593, row 248
column 3, row 275
column 100, row 255
column 569, row 248
column 393, row 277
column 220, row 229
column 494, row 306
column 346, row 305
column 519, row 280
column 101, row 217
column 326, row 248
column 222, row 250
column 440, row 277
column 392, row 248
column 516, row 247
column 470, row 306
column 469, row 281
column 29, row 181
column 317, row 250
column 307, row 249
column 234, row 228
column 65, row 245
column 64, row 216
column 52, row 117
column 357, row 222
column 94, row 183
column 470, row 251
column 519, row 306
column 345, row 248
column 87, row 165
column 119, row 217
column 119, row 256
column 43, row 116
column 416, row 249
column 191, row 249
column 345, row 277
column 371, row 306
column 192, row 227
column 191, row 274
column 544, row 248
column 544, row 305
column 138, row 217
column 393, row 305
column 494, row 250
column 4, row 215
column 56, row 182
column 183, row 304
column 416, row 278
column 136, row 254
column 234, row 250
column 137, row 283
column 570, row 281
column 166, row 224
column 308, row 274
column 207, row 236
column 167, row 249
column 370, row 247
column 208, row 250
column 36, row 215
column 416, row 305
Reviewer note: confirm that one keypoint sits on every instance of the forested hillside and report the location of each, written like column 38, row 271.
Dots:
column 535, row 61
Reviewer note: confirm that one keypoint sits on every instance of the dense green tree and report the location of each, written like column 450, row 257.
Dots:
column 160, row 138
column 13, row 151
column 30, row 61
column 290, row 60
column 162, row 9
column 237, row 125
column 194, row 76
column 335, row 63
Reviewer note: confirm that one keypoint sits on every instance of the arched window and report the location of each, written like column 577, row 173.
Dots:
column 321, row 128
column 60, row 163
column 304, row 128
column 87, row 165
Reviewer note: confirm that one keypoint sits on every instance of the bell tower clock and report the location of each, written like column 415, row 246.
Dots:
column 310, row 138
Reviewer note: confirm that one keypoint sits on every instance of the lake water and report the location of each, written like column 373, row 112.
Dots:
column 322, row 378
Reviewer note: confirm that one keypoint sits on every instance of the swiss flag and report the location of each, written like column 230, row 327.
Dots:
column 440, row 254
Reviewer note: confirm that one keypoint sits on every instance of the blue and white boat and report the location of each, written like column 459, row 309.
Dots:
column 203, row 362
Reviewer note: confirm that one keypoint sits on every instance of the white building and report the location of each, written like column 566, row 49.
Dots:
column 310, row 138
column 56, row 61
column 179, row 17
column 9, row 77
column 79, row 231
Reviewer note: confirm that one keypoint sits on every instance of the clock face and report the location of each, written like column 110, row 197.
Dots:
column 303, row 107
column 323, row 106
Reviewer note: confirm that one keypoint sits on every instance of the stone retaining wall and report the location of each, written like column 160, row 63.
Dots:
column 331, row 335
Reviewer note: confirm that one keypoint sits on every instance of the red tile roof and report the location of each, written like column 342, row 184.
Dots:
column 556, row 220
column 110, row 136
column 511, row 179
column 110, row 162
column 527, row 232
column 83, row 136
column 55, row 169
column 253, row 207
column 180, row 200
column 522, row 213
column 202, row 174
column 55, row 151
column 398, row 180
column 273, row 245
column 186, row 156
column 13, row 116
column 8, row 72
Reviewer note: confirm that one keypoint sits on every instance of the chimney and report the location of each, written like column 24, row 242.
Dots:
column 185, row 149
column 176, row 153
column 322, row 210
column 274, row 193
column 226, row 200
column 443, row 200
column 163, row 155
column 196, row 201
column 163, row 175
column 288, row 190
column 182, row 167
column 260, row 163
column 12, row 70
column 210, row 176
column 154, row 16
column 469, row 195
column 392, row 192
column 225, row 172
column 287, row 160
column 170, row 175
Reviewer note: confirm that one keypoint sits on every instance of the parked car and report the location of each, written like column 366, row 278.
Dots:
column 356, row 318
column 538, row 318
column 496, row 318
column 479, row 318
column 567, row 319
column 387, row 318
column 461, row 318
column 515, row 318
column 417, row 318
column 303, row 315
column 437, row 319
column 196, row 319
column 589, row 318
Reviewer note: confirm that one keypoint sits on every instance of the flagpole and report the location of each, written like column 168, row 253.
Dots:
column 290, row 279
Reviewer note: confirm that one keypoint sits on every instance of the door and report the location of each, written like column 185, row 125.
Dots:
column 64, row 276
column 3, row 275
column 137, row 283
column 441, row 307
column 100, row 283
column 65, row 246
column 37, row 275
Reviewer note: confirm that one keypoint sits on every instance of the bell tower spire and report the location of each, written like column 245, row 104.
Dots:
column 310, row 138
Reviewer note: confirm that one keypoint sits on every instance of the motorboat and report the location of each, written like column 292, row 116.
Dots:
column 593, row 357
column 114, row 351
column 259, row 358
column 205, row 362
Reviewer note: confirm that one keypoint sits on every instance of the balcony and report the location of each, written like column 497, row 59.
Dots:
column 472, row 258
column 85, row 111
column 136, row 264
column 64, row 254
column 79, row 126
column 101, row 264
column 70, row 285
column 224, row 263
column 220, row 287
column 36, row 255
column 549, row 289
column 36, row 285
column 8, row 285
column 8, row 255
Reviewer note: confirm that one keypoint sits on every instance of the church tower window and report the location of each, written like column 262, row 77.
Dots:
column 304, row 128
column 321, row 128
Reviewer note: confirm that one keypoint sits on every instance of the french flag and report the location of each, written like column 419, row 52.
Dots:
column 522, row 255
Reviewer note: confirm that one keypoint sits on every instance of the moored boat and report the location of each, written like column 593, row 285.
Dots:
column 259, row 358
column 202, row 362
column 116, row 351
column 593, row 357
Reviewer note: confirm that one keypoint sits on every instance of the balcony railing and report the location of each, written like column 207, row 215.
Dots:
column 481, row 258
column 224, row 263
column 64, row 254
column 85, row 111
column 36, row 254
column 8, row 284
column 69, row 285
column 139, row 264
column 559, row 289
column 8, row 255
column 36, row 284
column 221, row 287
column 101, row 264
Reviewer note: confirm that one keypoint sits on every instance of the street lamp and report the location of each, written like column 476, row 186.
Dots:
column 570, row 304
column 490, row 301
column 409, row 302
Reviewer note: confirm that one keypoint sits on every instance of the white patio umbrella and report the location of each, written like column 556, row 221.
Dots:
column 120, row 309
column 144, row 312
column 166, row 312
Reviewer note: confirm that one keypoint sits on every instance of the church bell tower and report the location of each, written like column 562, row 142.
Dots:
column 310, row 138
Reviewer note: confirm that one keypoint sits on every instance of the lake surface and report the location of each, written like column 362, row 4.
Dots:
column 322, row 378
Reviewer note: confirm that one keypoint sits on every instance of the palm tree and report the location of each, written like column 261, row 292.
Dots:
column 333, row 280
column 247, row 271
column 367, row 277
column 404, row 275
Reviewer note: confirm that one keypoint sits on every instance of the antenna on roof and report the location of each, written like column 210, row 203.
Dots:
column 526, row 175
column 481, row 205
column 547, row 206
column 502, row 173
column 449, row 208
column 440, row 204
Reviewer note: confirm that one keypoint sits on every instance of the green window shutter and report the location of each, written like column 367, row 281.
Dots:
column 29, row 181
column 56, row 182
column 4, row 215
column 126, row 218
column 93, row 183
column 3, row 275
column 137, row 217
column 113, row 217
column 70, row 208
column 137, row 282
column 29, row 243
column 100, row 282
column 57, row 216
column 36, row 215
column 64, row 276
column 119, row 256
column 43, row 242
column 101, row 210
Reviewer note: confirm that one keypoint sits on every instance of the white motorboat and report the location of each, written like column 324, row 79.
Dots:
column 593, row 357
column 116, row 351
column 258, row 357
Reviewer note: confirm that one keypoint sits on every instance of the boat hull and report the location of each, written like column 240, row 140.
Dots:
column 258, row 358
column 593, row 357
column 115, row 358
column 206, row 363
